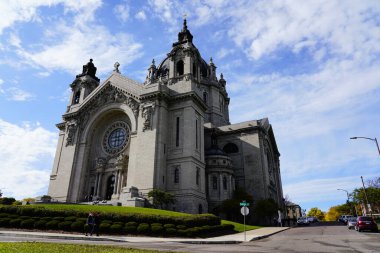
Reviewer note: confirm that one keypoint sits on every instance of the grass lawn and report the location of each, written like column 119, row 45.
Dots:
column 111, row 209
column 40, row 247
column 240, row 227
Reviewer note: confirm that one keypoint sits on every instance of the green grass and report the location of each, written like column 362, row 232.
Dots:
column 240, row 227
column 111, row 209
column 39, row 247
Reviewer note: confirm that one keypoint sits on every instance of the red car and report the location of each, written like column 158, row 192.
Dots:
column 366, row 223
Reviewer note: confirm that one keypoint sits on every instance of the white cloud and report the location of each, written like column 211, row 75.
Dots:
column 22, row 148
column 1, row 83
column 140, row 15
column 122, row 12
column 25, row 11
column 17, row 94
column 223, row 52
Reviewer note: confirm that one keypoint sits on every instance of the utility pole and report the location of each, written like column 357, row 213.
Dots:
column 366, row 198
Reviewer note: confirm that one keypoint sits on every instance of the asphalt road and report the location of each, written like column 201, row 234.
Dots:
column 317, row 238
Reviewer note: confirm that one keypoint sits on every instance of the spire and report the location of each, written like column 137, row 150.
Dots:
column 184, row 35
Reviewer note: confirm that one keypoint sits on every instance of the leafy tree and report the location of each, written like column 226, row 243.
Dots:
column 335, row 211
column 316, row 212
column 161, row 198
column 29, row 200
column 373, row 195
column 7, row 201
column 266, row 209
column 231, row 207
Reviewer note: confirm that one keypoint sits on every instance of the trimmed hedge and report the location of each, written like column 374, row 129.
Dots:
column 41, row 218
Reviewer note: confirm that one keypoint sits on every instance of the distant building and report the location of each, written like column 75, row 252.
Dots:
column 293, row 211
column 121, row 138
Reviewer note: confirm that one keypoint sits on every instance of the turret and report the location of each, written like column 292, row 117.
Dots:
column 84, row 84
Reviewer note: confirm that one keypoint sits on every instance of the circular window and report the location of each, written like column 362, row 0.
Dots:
column 116, row 137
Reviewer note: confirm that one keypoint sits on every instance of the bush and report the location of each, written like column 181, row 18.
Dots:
column 15, row 223
column 157, row 229
column 143, row 228
column 181, row 227
column 70, row 218
column 41, row 224
column 52, row 224
column 7, row 201
column 46, row 219
column 59, row 218
column 77, row 226
column 65, row 225
column 132, row 223
column 104, row 227
column 130, row 229
column 4, row 222
column 170, row 231
column 3, row 215
column 169, row 226
column 29, row 223
column 116, row 228
column 83, row 220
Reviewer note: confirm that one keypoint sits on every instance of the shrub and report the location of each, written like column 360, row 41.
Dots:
column 46, row 219
column 64, row 225
column 169, row 226
column 59, row 218
column 170, row 231
column 192, row 232
column 4, row 222
column 29, row 223
column 143, row 228
column 41, row 224
column 24, row 217
column 13, row 216
column 116, row 228
column 132, row 223
column 106, row 221
column 70, row 218
column 3, row 215
column 84, row 220
column 181, row 227
column 7, row 201
column 130, row 229
column 77, row 226
column 181, row 232
column 104, row 227
column 15, row 223
column 157, row 229
column 52, row 224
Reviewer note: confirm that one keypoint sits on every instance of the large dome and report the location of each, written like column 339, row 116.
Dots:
column 164, row 66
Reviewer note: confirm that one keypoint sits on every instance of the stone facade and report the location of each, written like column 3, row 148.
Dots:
column 120, row 139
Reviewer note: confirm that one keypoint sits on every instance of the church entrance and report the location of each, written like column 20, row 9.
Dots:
column 110, row 187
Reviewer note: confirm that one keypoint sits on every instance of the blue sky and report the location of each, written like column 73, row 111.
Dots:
column 311, row 67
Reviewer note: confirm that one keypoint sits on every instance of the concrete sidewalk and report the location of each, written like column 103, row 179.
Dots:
column 226, row 239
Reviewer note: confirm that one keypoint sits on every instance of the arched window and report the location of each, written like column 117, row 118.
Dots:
column 230, row 148
column 180, row 68
column 224, row 183
column 214, row 182
column 194, row 70
column 205, row 97
column 176, row 175
column 200, row 209
column 110, row 187
column 76, row 97
column 197, row 179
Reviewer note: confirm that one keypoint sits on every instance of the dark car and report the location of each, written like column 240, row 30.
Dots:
column 366, row 223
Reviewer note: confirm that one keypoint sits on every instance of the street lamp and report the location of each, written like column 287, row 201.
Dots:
column 348, row 197
column 375, row 140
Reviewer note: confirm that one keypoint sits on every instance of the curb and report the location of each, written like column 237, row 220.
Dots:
column 266, row 236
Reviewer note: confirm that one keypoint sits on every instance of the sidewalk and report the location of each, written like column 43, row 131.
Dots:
column 226, row 239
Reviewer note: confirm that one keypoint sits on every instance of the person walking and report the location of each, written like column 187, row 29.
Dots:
column 90, row 224
column 96, row 218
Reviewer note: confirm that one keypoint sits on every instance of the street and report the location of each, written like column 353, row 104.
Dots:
column 316, row 238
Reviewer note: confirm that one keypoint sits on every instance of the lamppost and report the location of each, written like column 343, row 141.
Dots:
column 348, row 197
column 375, row 140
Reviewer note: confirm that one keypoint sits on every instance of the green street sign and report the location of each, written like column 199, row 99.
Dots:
column 244, row 204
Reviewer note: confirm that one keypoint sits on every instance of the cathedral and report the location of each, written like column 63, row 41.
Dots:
column 119, row 139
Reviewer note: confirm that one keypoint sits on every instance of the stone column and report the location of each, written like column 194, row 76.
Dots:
column 116, row 182
column 100, row 184
column 96, row 184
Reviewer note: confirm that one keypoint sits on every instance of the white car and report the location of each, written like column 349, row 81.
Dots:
column 351, row 222
column 303, row 221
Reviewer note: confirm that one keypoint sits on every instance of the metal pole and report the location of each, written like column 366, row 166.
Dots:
column 375, row 140
column 377, row 144
column 365, row 194
column 245, row 237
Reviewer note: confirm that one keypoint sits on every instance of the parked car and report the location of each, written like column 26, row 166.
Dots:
column 366, row 223
column 302, row 221
column 344, row 218
column 351, row 222
column 312, row 219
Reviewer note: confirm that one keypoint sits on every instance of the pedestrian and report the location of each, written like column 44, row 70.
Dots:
column 90, row 224
column 96, row 223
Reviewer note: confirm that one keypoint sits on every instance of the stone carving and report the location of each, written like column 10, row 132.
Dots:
column 71, row 129
column 134, row 105
column 100, row 163
column 147, row 114
column 90, row 70
column 116, row 65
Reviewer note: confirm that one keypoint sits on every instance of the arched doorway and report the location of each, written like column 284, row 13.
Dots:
column 110, row 187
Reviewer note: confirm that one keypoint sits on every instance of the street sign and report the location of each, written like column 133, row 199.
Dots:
column 244, row 204
column 244, row 210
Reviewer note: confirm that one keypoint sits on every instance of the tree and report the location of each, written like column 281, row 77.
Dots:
column 266, row 209
column 317, row 213
column 335, row 211
column 373, row 195
column 161, row 198
column 231, row 207
column 375, row 183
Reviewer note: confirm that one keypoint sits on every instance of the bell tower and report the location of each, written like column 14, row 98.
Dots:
column 84, row 84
